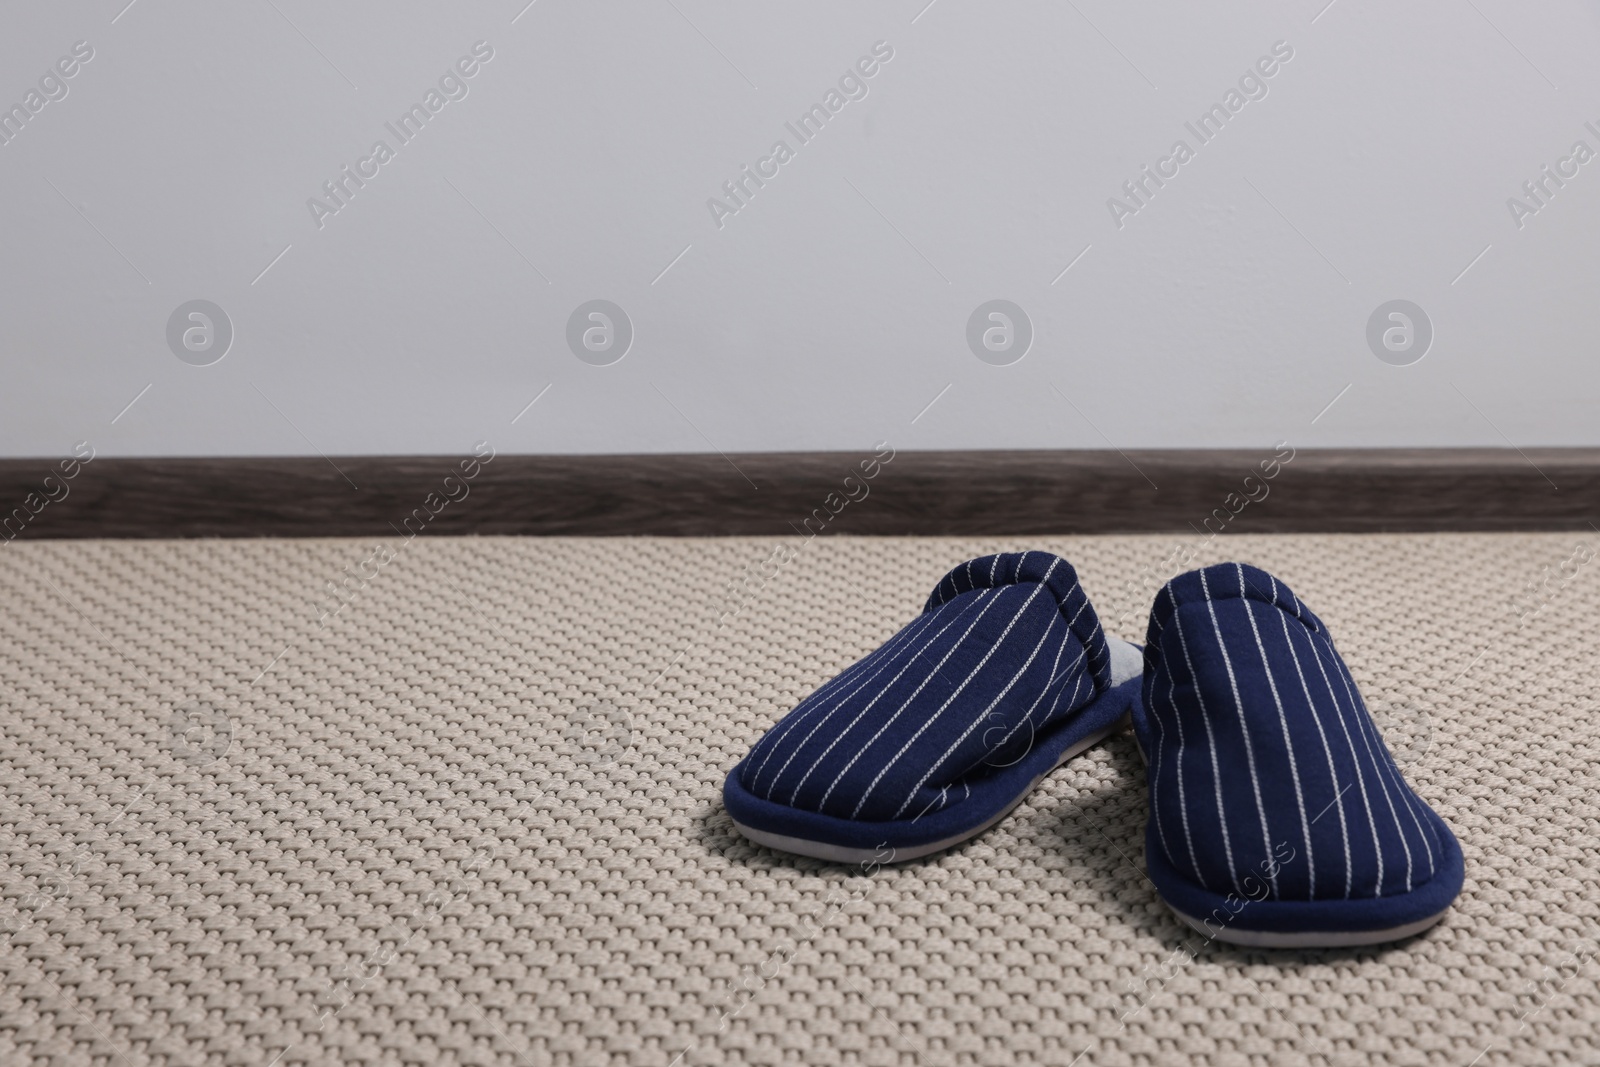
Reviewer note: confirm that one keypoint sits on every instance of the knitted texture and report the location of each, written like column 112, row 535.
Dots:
column 466, row 811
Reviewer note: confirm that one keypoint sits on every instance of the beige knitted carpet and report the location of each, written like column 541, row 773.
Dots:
column 473, row 816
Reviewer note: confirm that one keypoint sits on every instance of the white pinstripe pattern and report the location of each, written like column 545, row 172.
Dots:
column 1288, row 743
column 1211, row 740
column 937, row 598
column 918, row 627
column 822, row 805
column 1090, row 645
column 985, row 713
column 1411, row 801
column 1360, row 713
column 1368, row 730
column 1361, row 779
column 1038, row 587
column 1056, row 675
column 1370, row 760
column 882, row 655
column 1244, row 728
column 865, row 678
column 1099, row 658
column 1177, row 722
column 956, row 617
column 1409, row 795
column 1333, row 774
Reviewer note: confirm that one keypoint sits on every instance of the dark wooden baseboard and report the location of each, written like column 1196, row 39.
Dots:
column 914, row 493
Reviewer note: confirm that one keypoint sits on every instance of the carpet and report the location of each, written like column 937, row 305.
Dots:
column 456, row 801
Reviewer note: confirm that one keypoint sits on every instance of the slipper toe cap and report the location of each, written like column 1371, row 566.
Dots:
column 1269, row 780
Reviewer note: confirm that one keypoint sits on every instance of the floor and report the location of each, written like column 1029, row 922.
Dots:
column 466, row 810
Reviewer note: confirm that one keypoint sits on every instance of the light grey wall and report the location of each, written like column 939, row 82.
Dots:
column 1229, row 309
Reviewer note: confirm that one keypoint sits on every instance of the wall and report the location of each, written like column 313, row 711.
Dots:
column 1227, row 308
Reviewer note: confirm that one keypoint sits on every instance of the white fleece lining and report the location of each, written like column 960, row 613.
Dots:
column 1126, row 660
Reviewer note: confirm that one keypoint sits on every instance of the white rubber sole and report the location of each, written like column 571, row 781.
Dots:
column 822, row 850
column 1311, row 938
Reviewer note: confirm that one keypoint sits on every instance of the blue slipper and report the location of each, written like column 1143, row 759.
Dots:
column 1278, row 817
column 936, row 735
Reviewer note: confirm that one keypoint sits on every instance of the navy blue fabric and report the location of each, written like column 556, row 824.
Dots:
column 989, row 678
column 1268, row 779
column 984, row 796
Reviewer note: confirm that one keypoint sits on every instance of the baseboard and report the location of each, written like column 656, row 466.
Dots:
column 951, row 493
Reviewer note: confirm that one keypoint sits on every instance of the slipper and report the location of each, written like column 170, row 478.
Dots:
column 936, row 735
column 1278, row 817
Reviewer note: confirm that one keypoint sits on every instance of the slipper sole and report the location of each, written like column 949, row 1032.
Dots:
column 1312, row 938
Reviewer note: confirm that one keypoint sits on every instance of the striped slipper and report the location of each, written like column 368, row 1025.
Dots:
column 1278, row 817
column 936, row 735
